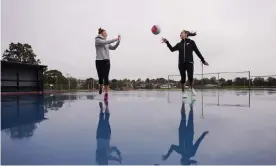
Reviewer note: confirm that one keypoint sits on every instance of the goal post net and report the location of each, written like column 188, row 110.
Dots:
column 214, row 80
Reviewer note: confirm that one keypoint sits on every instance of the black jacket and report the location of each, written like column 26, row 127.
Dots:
column 186, row 53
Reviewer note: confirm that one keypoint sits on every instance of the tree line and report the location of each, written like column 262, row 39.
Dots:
column 121, row 84
column 55, row 79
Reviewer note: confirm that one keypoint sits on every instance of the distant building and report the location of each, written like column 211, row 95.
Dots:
column 141, row 86
column 80, row 83
column 155, row 86
column 20, row 77
column 165, row 86
column 211, row 85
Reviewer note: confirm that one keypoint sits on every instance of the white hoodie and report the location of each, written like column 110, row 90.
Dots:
column 103, row 46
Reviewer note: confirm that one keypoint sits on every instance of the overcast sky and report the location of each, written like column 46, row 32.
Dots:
column 233, row 35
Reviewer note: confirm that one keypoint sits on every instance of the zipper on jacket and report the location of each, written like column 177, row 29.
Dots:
column 184, row 50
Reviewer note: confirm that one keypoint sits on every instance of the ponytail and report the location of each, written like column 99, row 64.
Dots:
column 190, row 33
column 100, row 30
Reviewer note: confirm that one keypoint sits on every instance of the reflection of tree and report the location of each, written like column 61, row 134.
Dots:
column 20, row 132
column 19, row 115
column 241, row 93
column 271, row 92
column 55, row 102
column 90, row 97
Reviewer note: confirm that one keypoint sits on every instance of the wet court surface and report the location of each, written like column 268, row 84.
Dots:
column 236, row 127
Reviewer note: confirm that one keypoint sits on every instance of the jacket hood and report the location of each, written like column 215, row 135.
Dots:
column 187, row 39
column 100, row 36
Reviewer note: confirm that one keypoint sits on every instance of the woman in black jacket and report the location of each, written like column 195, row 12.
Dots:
column 185, row 59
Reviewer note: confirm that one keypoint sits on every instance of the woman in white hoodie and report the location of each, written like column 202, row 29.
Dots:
column 102, row 58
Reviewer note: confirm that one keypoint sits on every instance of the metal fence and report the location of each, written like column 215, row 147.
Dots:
column 240, row 79
column 67, row 87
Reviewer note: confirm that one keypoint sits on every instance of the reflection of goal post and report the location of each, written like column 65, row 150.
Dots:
column 215, row 80
column 218, row 100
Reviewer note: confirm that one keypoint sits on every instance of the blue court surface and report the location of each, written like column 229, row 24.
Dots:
column 140, row 127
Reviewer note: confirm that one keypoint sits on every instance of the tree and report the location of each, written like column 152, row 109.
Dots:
column 229, row 82
column 113, row 84
column 206, row 81
column 22, row 53
column 73, row 82
column 271, row 81
column 161, row 81
column 133, row 83
column 213, row 80
column 148, row 85
column 56, row 78
column 241, row 81
column 222, row 81
column 89, row 83
column 258, row 81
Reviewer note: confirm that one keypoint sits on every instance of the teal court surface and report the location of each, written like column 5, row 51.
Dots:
column 140, row 127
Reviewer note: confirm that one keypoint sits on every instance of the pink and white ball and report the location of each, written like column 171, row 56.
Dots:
column 155, row 29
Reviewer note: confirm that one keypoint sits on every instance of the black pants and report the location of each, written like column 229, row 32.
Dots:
column 103, row 67
column 103, row 130
column 183, row 67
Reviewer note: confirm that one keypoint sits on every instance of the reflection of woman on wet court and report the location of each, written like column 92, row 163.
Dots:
column 104, row 150
column 186, row 148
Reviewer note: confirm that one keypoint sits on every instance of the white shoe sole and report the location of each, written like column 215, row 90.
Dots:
column 193, row 93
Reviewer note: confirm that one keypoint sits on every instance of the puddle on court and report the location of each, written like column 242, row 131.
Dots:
column 228, row 127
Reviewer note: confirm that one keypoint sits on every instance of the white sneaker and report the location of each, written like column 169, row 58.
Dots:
column 184, row 95
column 193, row 92
column 192, row 103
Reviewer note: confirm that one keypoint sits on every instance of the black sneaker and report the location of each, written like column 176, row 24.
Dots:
column 100, row 90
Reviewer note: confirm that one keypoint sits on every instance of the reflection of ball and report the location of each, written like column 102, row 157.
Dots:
column 155, row 29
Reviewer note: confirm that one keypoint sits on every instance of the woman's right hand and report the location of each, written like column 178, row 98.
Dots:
column 206, row 63
column 119, row 38
column 163, row 40
column 164, row 157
